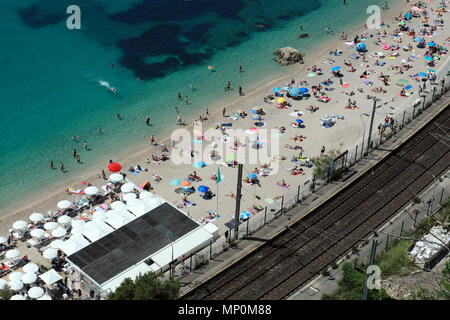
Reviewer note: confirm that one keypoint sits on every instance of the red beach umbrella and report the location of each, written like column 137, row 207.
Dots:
column 114, row 167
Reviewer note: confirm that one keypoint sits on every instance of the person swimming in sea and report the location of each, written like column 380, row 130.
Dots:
column 113, row 89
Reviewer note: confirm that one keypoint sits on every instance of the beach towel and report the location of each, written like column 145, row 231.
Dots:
column 408, row 87
column 311, row 75
column 345, row 85
column 367, row 83
column 285, row 186
column 73, row 190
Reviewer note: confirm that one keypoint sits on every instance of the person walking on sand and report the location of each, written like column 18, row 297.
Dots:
column 322, row 150
column 223, row 112
column 152, row 140
column 85, row 144
column 61, row 166
column 103, row 174
column 147, row 121
column 207, row 112
column 240, row 91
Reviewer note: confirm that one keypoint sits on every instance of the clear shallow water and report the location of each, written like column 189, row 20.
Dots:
column 51, row 79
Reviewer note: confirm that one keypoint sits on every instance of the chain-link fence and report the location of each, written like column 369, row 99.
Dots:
column 404, row 114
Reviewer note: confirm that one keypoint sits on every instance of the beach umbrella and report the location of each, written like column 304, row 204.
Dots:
column 245, row 215
column 44, row 297
column 115, row 177
column 175, row 182
column 431, row 70
column 422, row 74
column 203, row 189
column 418, row 39
column 50, row 253
column 114, row 167
column 303, row 90
column 12, row 254
column 35, row 292
column 56, row 244
column 117, row 205
column 431, row 44
column 335, row 68
column 3, row 240
column 70, row 247
column 146, row 195
column 19, row 225
column 17, row 297
column 361, row 47
column 16, row 276
column 251, row 176
column 15, row 285
column 50, row 225
column 281, row 100
column 37, row 233
column 91, row 190
column 127, row 187
column 185, row 183
column 64, row 219
column 2, row 283
column 276, row 89
column 30, row 268
column 59, row 232
column 254, row 111
column 299, row 120
column 64, row 204
column 129, row 196
column 428, row 58
column 36, row 217
column 79, row 223
column 29, row 278
column 50, row 277
column 295, row 91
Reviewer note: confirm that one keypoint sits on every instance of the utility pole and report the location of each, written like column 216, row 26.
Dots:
column 371, row 124
column 238, row 202
column 372, row 258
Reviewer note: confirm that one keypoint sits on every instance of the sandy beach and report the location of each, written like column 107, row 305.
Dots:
column 342, row 135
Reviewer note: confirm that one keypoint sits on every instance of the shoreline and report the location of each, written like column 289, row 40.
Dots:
column 42, row 201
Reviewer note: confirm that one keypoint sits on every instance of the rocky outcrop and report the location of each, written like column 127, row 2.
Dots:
column 288, row 55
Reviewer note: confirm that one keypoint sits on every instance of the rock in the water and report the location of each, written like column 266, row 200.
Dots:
column 288, row 55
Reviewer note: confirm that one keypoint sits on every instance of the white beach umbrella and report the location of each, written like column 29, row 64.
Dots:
column 112, row 213
column 50, row 225
column 77, row 230
column 99, row 219
column 127, row 187
column 146, row 195
column 64, row 204
column 117, row 205
column 3, row 240
column 50, row 277
column 77, row 223
column 30, row 268
column 80, row 240
column 37, row 233
column 59, row 232
column 129, row 196
column 20, row 225
column 50, row 253
column 115, row 177
column 64, row 219
column 137, row 209
column 29, row 278
column 55, row 244
column 15, row 285
column 35, row 292
column 70, row 247
column 91, row 190
column 16, row 276
column 118, row 221
column 17, row 297
column 11, row 254
column 2, row 283
column 36, row 217
column 94, row 234
column 44, row 297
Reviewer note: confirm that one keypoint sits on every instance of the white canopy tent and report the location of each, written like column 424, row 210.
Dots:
column 50, row 277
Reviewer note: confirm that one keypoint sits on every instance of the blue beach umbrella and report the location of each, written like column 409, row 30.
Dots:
column 277, row 89
column 335, row 68
column 251, row 176
column 429, row 58
column 303, row 90
column 361, row 47
column 203, row 189
column 431, row 70
column 294, row 91
column 431, row 44
column 245, row 215
column 418, row 39
column 175, row 182
column 299, row 120
column 422, row 74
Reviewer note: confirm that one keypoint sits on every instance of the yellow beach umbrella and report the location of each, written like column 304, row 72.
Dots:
column 281, row 100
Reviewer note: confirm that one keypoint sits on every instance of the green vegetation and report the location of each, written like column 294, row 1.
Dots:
column 351, row 286
column 6, row 293
column 395, row 260
column 322, row 164
column 148, row 286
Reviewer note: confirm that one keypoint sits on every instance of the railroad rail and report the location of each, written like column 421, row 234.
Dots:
column 295, row 256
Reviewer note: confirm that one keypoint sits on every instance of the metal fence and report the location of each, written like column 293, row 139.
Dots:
column 404, row 113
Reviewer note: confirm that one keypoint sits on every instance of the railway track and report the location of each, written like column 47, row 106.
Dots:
column 288, row 261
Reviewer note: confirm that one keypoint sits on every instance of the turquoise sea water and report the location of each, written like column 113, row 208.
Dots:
column 51, row 84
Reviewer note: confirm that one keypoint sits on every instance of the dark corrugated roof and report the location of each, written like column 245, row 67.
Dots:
column 133, row 242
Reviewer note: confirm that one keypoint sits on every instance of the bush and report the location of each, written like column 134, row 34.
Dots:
column 322, row 164
column 395, row 261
